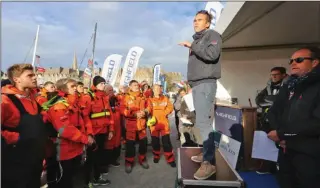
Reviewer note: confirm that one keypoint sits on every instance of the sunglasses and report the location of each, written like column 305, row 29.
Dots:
column 299, row 59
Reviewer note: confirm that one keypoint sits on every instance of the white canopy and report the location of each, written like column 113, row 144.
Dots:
column 260, row 35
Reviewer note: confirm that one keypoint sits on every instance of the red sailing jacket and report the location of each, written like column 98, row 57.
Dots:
column 96, row 104
column 70, row 122
column 148, row 93
column 135, row 102
column 116, row 139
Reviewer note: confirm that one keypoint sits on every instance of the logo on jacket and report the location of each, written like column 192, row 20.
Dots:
column 214, row 42
column 291, row 94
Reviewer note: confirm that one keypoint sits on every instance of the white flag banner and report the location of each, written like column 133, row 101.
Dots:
column 131, row 65
column 156, row 74
column 111, row 68
column 215, row 9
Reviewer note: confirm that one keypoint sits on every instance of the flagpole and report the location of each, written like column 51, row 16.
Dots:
column 35, row 49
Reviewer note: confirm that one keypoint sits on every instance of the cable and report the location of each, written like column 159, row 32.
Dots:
column 85, row 52
column 32, row 45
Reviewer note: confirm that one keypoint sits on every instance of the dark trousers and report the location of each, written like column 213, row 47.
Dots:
column 68, row 169
column 267, row 166
column 112, row 155
column 177, row 122
column 131, row 138
column 53, row 171
column 123, row 126
column 95, row 158
column 12, row 178
column 167, row 147
column 298, row 169
column 20, row 167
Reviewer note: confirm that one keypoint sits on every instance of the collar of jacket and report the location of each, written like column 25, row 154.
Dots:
column 43, row 92
column 135, row 94
column 199, row 34
column 302, row 82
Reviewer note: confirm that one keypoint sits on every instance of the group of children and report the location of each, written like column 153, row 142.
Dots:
column 66, row 126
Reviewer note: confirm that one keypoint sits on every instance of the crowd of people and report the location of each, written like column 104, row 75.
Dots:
column 60, row 126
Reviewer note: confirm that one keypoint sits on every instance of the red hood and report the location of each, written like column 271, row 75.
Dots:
column 10, row 89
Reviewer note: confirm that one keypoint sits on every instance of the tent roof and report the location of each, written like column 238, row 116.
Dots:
column 280, row 26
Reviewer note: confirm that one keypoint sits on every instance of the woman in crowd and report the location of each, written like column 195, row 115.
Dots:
column 74, row 131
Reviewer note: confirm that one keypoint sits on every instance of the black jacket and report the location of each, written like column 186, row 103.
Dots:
column 267, row 91
column 295, row 114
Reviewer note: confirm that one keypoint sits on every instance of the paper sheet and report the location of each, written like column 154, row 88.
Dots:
column 263, row 147
column 230, row 149
column 185, row 121
column 189, row 101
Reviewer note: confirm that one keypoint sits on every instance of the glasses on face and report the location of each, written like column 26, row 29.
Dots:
column 300, row 60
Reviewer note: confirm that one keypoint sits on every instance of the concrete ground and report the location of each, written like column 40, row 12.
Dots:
column 159, row 175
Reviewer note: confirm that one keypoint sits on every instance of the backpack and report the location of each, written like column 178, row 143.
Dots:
column 53, row 133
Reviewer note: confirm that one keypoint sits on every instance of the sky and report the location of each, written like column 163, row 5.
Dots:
column 66, row 27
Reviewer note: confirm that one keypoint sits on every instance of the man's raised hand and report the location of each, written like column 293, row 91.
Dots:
column 185, row 44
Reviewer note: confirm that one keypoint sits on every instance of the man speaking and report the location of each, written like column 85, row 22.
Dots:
column 203, row 71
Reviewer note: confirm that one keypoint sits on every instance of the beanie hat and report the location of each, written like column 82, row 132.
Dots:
column 97, row 80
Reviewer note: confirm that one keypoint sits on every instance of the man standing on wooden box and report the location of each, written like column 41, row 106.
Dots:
column 203, row 71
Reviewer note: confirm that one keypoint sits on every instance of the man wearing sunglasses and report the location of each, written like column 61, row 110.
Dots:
column 204, row 68
column 295, row 119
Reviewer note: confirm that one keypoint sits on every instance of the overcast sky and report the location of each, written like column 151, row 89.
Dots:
column 67, row 27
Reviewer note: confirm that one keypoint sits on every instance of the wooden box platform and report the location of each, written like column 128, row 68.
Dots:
column 225, row 176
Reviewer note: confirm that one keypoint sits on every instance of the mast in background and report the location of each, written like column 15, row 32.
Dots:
column 93, row 48
column 35, row 49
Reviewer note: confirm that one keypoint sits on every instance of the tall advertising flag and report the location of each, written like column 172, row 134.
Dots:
column 165, row 87
column 163, row 83
column 215, row 9
column 156, row 73
column 111, row 68
column 131, row 65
